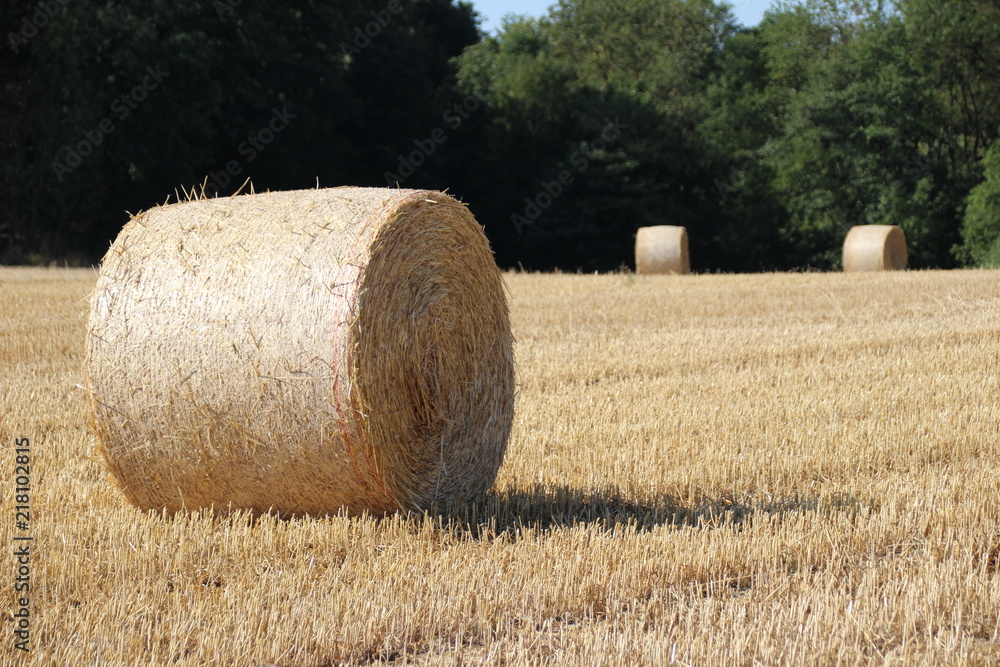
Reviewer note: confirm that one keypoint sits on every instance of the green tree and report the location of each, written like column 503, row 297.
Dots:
column 351, row 81
column 956, row 46
column 981, row 228
column 609, row 98
column 743, row 117
column 860, row 143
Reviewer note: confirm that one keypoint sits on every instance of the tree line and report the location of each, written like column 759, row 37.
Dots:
column 564, row 133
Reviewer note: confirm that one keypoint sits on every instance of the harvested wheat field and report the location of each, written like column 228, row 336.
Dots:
column 704, row 470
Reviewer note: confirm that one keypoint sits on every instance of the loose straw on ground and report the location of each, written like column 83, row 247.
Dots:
column 302, row 352
column 875, row 248
column 662, row 249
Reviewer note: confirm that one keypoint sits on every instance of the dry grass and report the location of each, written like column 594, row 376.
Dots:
column 704, row 470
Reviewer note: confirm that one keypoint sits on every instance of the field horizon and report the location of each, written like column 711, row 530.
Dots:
column 726, row 469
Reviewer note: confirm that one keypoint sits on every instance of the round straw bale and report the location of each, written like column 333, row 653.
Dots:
column 875, row 248
column 302, row 352
column 662, row 249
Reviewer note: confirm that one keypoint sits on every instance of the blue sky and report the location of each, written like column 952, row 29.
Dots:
column 748, row 12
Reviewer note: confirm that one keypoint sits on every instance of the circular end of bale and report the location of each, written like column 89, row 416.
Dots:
column 875, row 248
column 302, row 352
column 662, row 249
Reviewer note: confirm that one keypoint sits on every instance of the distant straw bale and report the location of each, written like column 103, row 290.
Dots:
column 662, row 249
column 302, row 352
column 875, row 248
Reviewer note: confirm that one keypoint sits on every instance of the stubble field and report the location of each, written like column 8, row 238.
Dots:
column 704, row 470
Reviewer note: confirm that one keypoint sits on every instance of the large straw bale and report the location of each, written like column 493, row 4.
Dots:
column 875, row 248
column 662, row 249
column 302, row 352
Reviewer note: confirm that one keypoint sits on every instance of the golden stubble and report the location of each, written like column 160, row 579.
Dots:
column 704, row 470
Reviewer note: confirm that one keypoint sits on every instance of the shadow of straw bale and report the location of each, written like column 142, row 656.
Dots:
column 544, row 508
column 513, row 513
